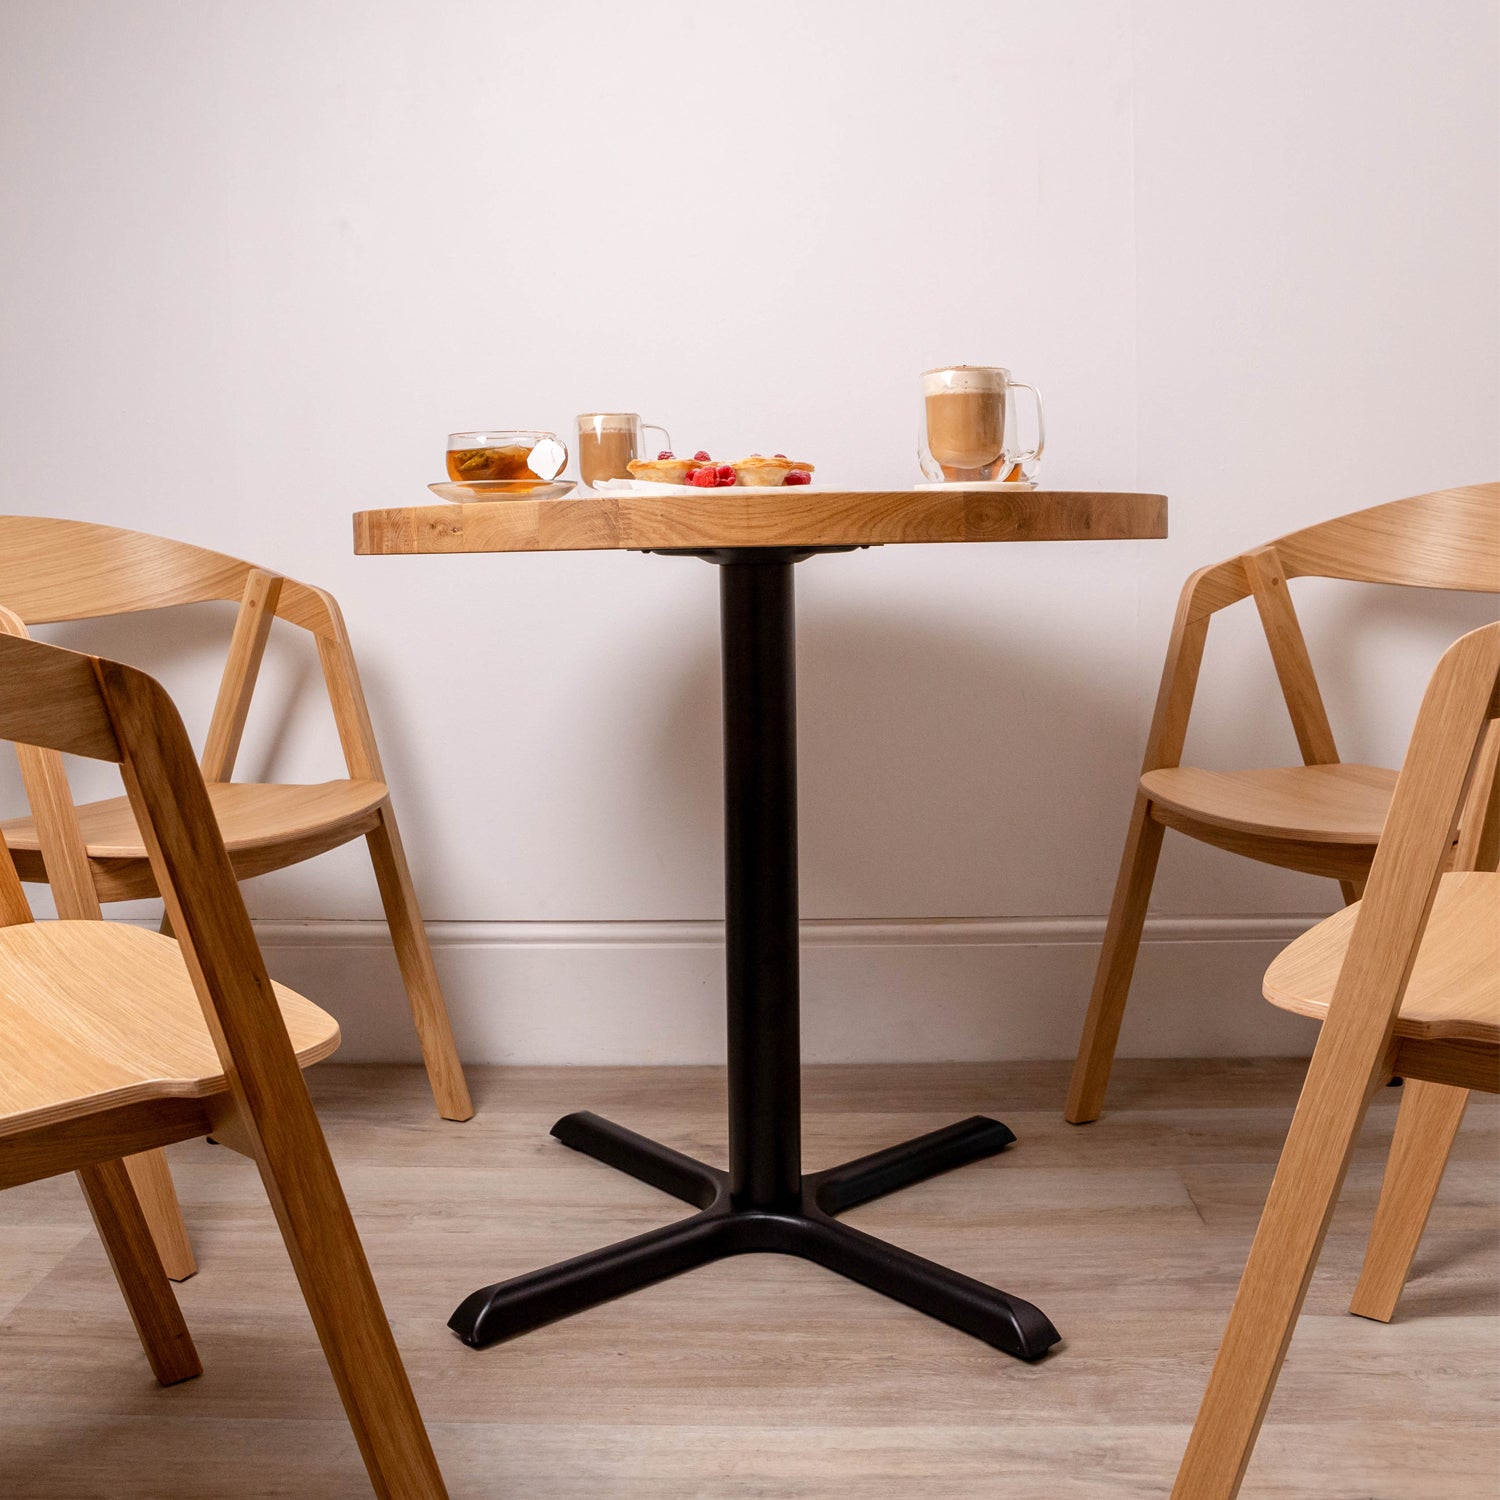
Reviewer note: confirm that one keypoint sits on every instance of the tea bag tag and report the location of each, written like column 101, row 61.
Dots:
column 547, row 458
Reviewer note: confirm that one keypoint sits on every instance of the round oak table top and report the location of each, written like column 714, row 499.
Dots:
column 720, row 519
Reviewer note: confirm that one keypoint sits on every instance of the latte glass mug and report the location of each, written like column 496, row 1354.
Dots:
column 963, row 433
column 608, row 440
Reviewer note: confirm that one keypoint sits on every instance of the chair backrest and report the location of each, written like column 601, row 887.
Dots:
column 54, row 570
column 1461, row 702
column 75, row 570
column 1449, row 539
column 65, row 702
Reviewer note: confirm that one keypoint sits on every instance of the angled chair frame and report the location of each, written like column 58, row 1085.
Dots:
column 59, row 701
column 1449, row 539
column 1361, row 1046
column 59, row 570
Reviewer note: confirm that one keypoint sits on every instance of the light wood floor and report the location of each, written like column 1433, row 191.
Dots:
column 764, row 1376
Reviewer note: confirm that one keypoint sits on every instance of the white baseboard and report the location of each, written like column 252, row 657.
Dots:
column 873, row 991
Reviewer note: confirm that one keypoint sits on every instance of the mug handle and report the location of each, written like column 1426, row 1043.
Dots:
column 654, row 427
column 1041, row 430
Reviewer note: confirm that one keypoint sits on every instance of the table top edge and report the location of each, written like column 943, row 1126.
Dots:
column 720, row 520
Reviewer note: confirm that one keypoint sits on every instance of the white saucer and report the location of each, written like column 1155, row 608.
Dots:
column 485, row 491
column 1020, row 486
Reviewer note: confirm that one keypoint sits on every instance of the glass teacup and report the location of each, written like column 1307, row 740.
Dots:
column 510, row 455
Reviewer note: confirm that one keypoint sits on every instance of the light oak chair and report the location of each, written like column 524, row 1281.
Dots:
column 1407, row 982
column 54, row 570
column 1323, row 817
column 115, row 1040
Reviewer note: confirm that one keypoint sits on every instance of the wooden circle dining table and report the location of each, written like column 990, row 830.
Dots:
column 764, row 1201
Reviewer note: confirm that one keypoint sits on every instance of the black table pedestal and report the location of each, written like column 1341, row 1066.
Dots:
column 763, row 1202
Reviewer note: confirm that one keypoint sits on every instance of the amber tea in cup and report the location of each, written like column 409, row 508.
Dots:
column 512, row 455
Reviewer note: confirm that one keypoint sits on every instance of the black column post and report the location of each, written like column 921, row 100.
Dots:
column 760, row 880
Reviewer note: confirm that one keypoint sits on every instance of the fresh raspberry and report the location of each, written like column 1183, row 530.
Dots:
column 778, row 455
column 726, row 474
column 797, row 476
column 702, row 456
column 705, row 479
column 665, row 453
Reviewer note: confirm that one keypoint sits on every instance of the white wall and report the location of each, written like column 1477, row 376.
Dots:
column 259, row 257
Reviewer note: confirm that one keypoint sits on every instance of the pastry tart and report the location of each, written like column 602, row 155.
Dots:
column 662, row 470
column 702, row 471
column 759, row 470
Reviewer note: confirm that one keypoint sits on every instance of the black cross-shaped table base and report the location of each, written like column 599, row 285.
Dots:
column 763, row 1202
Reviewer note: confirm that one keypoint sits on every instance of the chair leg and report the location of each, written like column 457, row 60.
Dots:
column 1425, row 1130
column 344, row 1302
column 1122, row 942
column 132, row 1255
column 1271, row 1292
column 413, row 952
column 151, row 1178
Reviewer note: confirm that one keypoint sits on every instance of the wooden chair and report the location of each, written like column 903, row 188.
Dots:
column 1323, row 817
column 115, row 1040
column 52, row 570
column 1407, row 982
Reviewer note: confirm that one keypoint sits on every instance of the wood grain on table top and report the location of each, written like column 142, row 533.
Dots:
column 721, row 519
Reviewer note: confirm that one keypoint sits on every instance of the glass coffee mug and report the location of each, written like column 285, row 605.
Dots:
column 608, row 440
column 962, row 438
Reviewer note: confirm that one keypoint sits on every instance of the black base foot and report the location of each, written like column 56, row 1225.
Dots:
column 807, row 1229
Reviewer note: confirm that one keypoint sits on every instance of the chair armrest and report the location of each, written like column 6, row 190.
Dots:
column 317, row 611
column 1206, row 592
column 1214, row 588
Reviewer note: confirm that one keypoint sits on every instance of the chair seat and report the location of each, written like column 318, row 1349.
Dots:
column 1339, row 804
column 98, row 1014
column 265, row 826
column 1454, row 990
